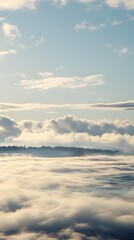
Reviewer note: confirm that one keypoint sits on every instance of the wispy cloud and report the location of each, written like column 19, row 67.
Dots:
column 61, row 68
column 7, row 52
column 128, row 105
column 116, row 22
column 9, row 107
column 93, row 27
column 51, row 81
column 21, row 74
column 130, row 17
column 40, row 41
column 37, row 41
column 60, row 3
column 85, row 26
column 10, row 31
column 125, row 50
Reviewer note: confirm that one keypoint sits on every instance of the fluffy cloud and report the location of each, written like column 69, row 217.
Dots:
column 11, row 31
column 69, row 131
column 72, row 124
column 72, row 131
column 87, row 198
column 8, row 129
column 51, row 81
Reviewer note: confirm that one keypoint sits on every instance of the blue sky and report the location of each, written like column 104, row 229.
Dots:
column 60, row 58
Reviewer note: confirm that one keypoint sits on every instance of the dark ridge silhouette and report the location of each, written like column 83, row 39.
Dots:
column 47, row 151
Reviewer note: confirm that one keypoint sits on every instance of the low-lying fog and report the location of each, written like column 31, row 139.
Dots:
column 86, row 198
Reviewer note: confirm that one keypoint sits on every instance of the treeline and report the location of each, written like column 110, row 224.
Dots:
column 58, row 151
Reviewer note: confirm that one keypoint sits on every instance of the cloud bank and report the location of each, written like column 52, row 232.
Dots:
column 69, row 131
column 87, row 198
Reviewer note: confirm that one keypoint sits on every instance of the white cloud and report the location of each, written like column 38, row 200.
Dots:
column 17, row 4
column 125, row 50
column 60, row 2
column 60, row 68
column 45, row 74
column 7, row 52
column 21, row 74
column 49, row 82
column 128, row 4
column 86, row 26
column 11, row 31
column 8, row 129
column 23, row 46
column 116, row 22
column 9, row 107
column 31, row 4
column 72, row 131
column 39, row 41
column 93, row 28
column 69, row 131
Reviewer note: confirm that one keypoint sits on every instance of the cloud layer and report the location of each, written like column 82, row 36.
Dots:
column 87, row 198
column 9, row 107
column 69, row 131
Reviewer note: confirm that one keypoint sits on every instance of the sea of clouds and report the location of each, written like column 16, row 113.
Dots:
column 80, row 198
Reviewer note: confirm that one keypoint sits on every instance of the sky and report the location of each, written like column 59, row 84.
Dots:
column 66, row 73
